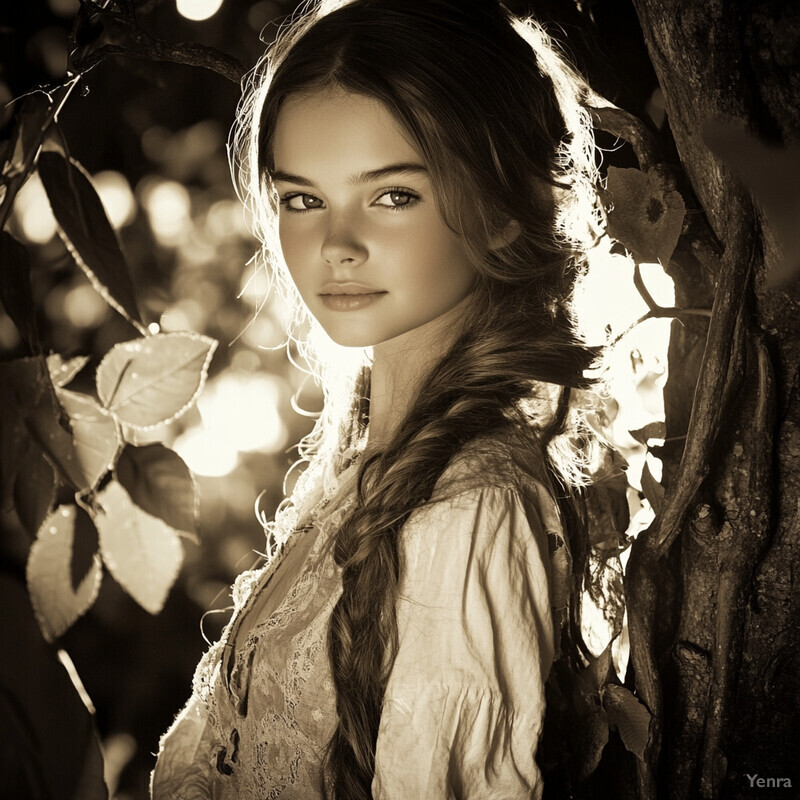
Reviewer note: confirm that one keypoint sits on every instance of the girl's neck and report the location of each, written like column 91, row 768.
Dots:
column 399, row 368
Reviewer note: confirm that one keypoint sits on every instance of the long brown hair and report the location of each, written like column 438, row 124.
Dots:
column 497, row 116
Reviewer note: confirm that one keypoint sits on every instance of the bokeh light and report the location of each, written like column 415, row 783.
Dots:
column 205, row 454
column 49, row 47
column 197, row 10
column 83, row 306
column 185, row 315
column 168, row 207
column 117, row 197
column 240, row 412
column 33, row 213
column 64, row 8
column 225, row 220
column 9, row 335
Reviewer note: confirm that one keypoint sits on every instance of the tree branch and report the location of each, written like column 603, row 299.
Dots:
column 625, row 126
column 190, row 54
column 707, row 407
column 744, row 491
column 641, row 596
column 124, row 36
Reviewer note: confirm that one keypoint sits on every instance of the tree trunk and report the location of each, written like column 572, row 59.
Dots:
column 723, row 681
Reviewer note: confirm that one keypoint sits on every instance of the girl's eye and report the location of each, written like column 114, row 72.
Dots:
column 301, row 202
column 396, row 199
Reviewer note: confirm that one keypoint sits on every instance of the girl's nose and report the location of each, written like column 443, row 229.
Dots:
column 342, row 246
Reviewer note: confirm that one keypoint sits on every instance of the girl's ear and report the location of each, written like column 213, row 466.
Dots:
column 505, row 236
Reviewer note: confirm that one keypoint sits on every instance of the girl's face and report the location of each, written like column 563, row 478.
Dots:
column 358, row 223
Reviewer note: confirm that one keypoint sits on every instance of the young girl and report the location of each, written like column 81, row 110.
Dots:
column 422, row 172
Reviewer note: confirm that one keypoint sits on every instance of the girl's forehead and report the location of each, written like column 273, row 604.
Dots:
column 331, row 104
column 331, row 127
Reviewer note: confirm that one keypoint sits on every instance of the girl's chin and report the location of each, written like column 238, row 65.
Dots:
column 349, row 338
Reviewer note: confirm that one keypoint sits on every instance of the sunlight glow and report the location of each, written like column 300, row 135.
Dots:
column 606, row 296
column 607, row 303
column 205, row 454
column 168, row 207
column 596, row 630
column 116, row 196
column 242, row 408
column 240, row 413
column 198, row 10
column 254, row 287
column 33, row 212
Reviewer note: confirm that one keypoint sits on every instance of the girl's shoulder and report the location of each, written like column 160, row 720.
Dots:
column 493, row 461
column 497, row 473
column 494, row 485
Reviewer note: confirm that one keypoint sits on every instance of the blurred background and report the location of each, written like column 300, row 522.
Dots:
column 153, row 135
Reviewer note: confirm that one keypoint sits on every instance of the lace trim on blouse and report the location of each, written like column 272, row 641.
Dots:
column 260, row 715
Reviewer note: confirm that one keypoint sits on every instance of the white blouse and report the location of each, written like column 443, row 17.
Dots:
column 484, row 566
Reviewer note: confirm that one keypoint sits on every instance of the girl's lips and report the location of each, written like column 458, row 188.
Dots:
column 349, row 301
column 347, row 287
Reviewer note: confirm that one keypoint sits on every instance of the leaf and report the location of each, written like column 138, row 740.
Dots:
column 94, row 434
column 34, row 488
column 23, row 382
column 146, row 382
column 159, row 482
column 32, row 121
column 591, row 679
column 50, row 747
column 644, row 214
column 652, row 489
column 87, row 233
column 84, row 453
column 653, row 430
column 607, row 511
column 15, row 289
column 772, row 176
column 56, row 604
column 62, row 372
column 592, row 737
column 630, row 716
column 143, row 553
column 85, row 546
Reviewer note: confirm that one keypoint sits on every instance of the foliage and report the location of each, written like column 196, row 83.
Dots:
column 73, row 468
column 55, row 437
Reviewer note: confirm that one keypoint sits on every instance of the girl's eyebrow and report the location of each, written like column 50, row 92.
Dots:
column 362, row 177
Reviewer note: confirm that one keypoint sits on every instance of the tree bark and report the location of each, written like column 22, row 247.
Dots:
column 724, row 689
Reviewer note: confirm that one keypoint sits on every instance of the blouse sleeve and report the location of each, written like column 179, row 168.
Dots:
column 464, row 706
column 183, row 767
